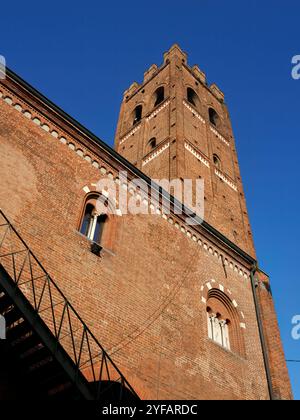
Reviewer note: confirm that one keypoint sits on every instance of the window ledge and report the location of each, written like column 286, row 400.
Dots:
column 102, row 252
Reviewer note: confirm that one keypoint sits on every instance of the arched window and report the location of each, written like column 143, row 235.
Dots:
column 217, row 161
column 159, row 95
column 92, row 225
column 137, row 114
column 192, row 97
column 213, row 117
column 223, row 322
column 151, row 144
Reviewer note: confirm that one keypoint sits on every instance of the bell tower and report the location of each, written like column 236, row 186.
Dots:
column 175, row 126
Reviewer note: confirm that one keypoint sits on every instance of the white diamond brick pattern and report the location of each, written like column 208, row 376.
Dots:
column 194, row 112
column 156, row 153
column 226, row 180
column 152, row 115
column 219, row 136
column 197, row 155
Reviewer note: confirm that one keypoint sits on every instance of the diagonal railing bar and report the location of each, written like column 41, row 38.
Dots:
column 81, row 346
column 106, row 367
column 40, row 311
column 43, row 295
column 32, row 282
column 61, row 321
column 68, row 335
column 52, row 305
column 100, row 376
column 14, row 265
column 90, row 357
column 72, row 335
column 15, row 253
column 17, row 279
column 34, row 279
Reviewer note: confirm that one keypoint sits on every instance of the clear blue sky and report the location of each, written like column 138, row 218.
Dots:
column 83, row 55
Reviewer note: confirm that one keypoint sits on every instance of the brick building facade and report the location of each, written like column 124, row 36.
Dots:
column 183, row 310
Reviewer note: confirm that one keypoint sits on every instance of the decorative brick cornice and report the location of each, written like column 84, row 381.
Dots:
column 157, row 111
column 131, row 133
column 219, row 136
column 188, row 106
column 156, row 153
column 196, row 153
column 225, row 179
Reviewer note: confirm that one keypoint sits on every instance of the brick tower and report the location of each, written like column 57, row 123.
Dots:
column 174, row 125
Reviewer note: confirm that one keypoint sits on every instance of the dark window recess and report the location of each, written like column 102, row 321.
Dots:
column 213, row 117
column 159, row 95
column 217, row 161
column 137, row 114
column 99, row 228
column 192, row 97
column 86, row 222
column 152, row 143
column 92, row 225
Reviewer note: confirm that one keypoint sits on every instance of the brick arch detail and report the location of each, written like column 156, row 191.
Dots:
column 212, row 284
column 217, row 292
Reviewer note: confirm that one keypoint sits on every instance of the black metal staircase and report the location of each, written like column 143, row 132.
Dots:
column 53, row 353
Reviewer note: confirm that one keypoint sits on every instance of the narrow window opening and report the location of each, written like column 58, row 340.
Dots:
column 213, row 117
column 99, row 228
column 152, row 144
column 159, row 95
column 93, row 224
column 192, row 97
column 137, row 114
column 217, row 161
column 87, row 218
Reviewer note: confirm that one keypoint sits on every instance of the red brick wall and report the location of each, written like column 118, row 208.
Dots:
column 145, row 301
column 279, row 371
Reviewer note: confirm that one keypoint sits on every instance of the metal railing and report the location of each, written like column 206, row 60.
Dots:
column 69, row 330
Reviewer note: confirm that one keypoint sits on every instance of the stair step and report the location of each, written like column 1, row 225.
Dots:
column 12, row 316
column 35, row 358
column 59, row 389
column 18, row 331
column 25, row 343
column 5, row 303
column 47, row 370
